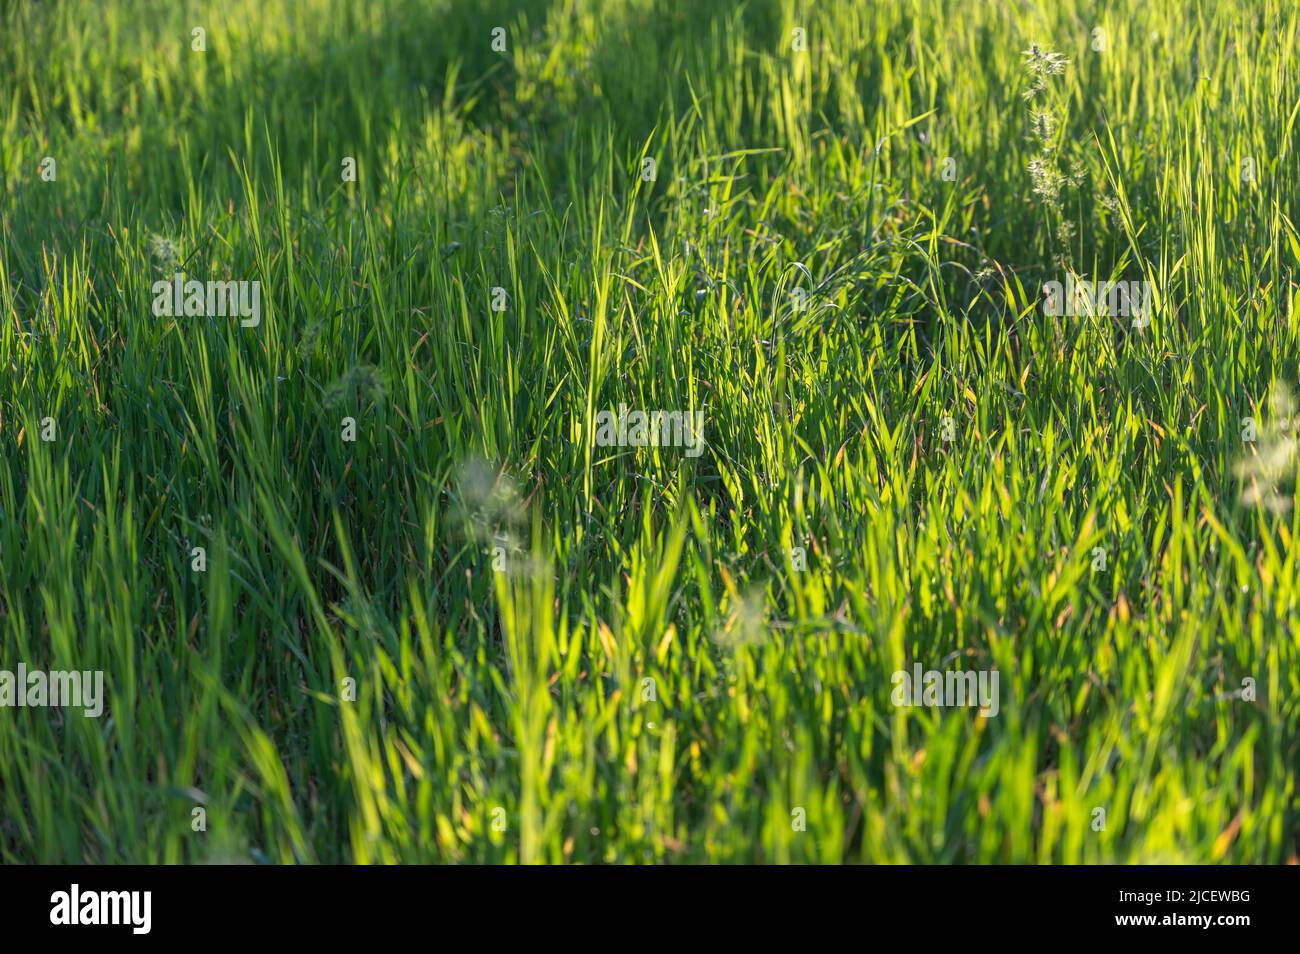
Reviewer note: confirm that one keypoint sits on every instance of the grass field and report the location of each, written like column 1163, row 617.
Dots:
column 365, row 581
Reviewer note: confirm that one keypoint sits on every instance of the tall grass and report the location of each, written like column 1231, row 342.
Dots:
column 640, row 673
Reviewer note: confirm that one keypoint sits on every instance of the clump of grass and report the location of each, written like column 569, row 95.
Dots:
column 1267, row 470
column 362, row 385
column 1053, row 167
column 663, row 682
column 165, row 253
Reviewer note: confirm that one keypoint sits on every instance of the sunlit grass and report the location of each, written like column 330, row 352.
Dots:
column 563, row 651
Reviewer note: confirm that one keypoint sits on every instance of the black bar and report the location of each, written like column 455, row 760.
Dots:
column 337, row 905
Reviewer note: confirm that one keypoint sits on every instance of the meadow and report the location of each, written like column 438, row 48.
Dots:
column 393, row 576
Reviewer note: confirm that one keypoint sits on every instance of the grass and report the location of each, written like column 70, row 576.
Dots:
column 474, row 634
